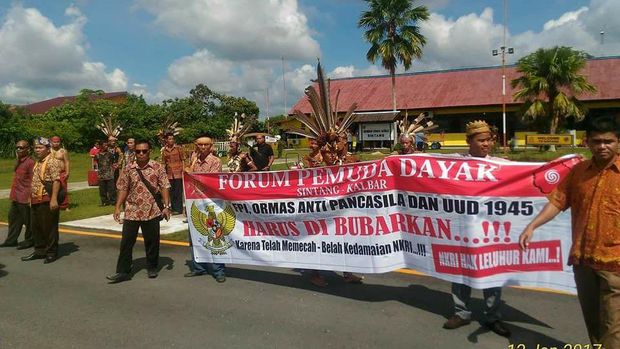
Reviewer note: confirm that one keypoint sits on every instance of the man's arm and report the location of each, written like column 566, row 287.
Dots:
column 54, row 195
column 165, row 195
column 66, row 159
column 271, row 157
column 120, row 201
column 548, row 213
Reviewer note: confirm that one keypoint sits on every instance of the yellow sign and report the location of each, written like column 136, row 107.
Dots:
column 549, row 139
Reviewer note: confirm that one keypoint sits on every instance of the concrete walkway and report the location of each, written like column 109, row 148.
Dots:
column 107, row 223
column 73, row 186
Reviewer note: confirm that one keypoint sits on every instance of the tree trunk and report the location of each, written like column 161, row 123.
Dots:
column 555, row 119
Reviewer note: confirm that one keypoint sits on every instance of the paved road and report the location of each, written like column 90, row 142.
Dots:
column 68, row 304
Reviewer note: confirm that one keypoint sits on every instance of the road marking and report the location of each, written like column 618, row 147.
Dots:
column 186, row 244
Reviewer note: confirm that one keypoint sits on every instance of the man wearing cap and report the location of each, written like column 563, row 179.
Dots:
column 19, row 213
column 205, row 162
column 62, row 155
column 480, row 140
column 173, row 158
column 44, row 203
column 262, row 154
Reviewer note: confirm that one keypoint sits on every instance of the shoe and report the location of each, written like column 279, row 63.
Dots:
column 24, row 246
column 185, row 220
column 499, row 328
column 118, row 277
column 32, row 257
column 5, row 244
column 455, row 321
column 152, row 273
column 317, row 280
column 220, row 278
column 194, row 273
column 352, row 278
column 50, row 259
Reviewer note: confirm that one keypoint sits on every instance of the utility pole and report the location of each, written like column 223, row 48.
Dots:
column 284, row 86
column 504, row 50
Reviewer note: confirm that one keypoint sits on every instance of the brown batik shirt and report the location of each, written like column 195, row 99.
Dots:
column 140, row 204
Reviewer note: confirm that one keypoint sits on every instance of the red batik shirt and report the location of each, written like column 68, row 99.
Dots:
column 140, row 204
column 20, row 189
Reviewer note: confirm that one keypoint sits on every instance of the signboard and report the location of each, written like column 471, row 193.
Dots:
column 377, row 132
column 549, row 139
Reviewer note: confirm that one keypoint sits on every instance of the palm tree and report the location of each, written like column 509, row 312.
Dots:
column 393, row 34
column 550, row 83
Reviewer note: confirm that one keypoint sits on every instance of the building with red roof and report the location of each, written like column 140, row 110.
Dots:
column 43, row 106
column 457, row 96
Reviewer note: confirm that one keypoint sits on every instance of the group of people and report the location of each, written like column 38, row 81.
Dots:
column 38, row 192
column 148, row 191
column 591, row 190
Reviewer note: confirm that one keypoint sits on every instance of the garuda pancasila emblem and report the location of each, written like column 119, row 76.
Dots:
column 214, row 227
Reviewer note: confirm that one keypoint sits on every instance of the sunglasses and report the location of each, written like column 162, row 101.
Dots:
column 20, row 148
column 145, row 151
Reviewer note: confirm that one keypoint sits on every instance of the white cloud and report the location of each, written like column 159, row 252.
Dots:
column 565, row 18
column 468, row 40
column 237, row 30
column 46, row 60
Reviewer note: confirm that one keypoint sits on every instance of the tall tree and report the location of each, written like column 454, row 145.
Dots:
column 393, row 33
column 549, row 84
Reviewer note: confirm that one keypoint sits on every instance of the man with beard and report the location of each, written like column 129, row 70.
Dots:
column 139, row 186
column 19, row 213
column 205, row 162
column 44, row 203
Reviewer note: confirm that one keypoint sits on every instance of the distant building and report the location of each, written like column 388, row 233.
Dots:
column 44, row 106
column 454, row 97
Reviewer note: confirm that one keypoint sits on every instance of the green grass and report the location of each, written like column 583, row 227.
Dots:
column 83, row 204
column 80, row 164
column 178, row 236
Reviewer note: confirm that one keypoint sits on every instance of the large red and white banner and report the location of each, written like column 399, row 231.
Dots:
column 455, row 218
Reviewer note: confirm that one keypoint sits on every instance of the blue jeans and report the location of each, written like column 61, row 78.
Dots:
column 215, row 269
column 461, row 295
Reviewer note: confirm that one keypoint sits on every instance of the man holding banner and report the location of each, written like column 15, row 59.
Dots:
column 591, row 190
column 480, row 141
column 205, row 162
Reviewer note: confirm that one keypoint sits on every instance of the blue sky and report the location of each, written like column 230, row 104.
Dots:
column 162, row 48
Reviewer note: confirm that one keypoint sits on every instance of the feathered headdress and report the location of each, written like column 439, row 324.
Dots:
column 323, row 123
column 110, row 126
column 420, row 124
column 168, row 126
column 240, row 126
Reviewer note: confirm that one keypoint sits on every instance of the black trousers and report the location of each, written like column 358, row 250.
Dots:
column 19, row 216
column 150, row 233
column 44, row 229
column 176, row 194
column 107, row 191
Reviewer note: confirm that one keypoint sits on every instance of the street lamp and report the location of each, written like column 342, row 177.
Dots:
column 503, row 51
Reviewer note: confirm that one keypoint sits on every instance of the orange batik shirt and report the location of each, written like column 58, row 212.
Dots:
column 593, row 195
